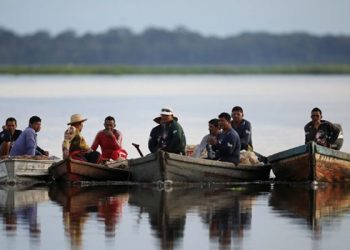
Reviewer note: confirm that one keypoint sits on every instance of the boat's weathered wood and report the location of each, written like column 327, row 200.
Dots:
column 73, row 170
column 311, row 162
column 24, row 170
column 164, row 166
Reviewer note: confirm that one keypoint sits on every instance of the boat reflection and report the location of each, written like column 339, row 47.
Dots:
column 78, row 203
column 226, row 211
column 316, row 207
column 18, row 206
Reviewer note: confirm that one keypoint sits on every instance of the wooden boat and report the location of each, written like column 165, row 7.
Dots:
column 311, row 162
column 164, row 166
column 25, row 169
column 71, row 170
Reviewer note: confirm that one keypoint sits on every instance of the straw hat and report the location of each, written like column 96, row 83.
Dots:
column 76, row 118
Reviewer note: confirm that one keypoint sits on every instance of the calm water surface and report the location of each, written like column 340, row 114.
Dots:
column 135, row 217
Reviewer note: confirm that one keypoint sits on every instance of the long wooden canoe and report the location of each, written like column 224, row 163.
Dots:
column 311, row 162
column 164, row 166
column 20, row 170
column 70, row 170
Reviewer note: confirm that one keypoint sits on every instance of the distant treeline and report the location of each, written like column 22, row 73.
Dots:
column 180, row 47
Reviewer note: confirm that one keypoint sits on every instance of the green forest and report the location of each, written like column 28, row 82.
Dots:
column 179, row 48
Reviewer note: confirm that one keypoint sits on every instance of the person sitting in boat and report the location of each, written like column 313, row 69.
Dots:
column 26, row 143
column 320, row 131
column 227, row 145
column 110, row 141
column 74, row 145
column 214, row 131
column 242, row 127
column 8, row 136
column 168, row 135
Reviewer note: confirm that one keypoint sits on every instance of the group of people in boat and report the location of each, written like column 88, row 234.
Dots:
column 228, row 135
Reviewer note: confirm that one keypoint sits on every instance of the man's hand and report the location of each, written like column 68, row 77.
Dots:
column 212, row 140
column 65, row 153
column 109, row 132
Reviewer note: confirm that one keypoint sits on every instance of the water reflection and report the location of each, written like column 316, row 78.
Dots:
column 80, row 202
column 318, row 208
column 226, row 212
column 18, row 206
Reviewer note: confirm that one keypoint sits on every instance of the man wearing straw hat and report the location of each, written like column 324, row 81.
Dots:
column 74, row 144
column 168, row 135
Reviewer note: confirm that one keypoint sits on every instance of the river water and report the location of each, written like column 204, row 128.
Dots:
column 268, row 216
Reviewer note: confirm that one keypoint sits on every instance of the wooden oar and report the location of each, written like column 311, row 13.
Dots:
column 137, row 146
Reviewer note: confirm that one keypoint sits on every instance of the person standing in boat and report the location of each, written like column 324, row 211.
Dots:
column 227, row 145
column 110, row 141
column 214, row 131
column 242, row 127
column 26, row 143
column 8, row 136
column 320, row 131
column 74, row 144
column 168, row 135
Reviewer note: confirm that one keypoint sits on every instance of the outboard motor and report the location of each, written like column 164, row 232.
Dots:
column 339, row 142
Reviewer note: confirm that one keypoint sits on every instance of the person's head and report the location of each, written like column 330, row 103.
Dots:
column 225, row 121
column 77, row 121
column 109, row 123
column 11, row 124
column 166, row 115
column 237, row 114
column 316, row 115
column 214, row 126
column 35, row 123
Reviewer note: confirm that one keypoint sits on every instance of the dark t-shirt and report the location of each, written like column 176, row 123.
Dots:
column 228, row 146
column 244, row 130
column 325, row 135
column 6, row 136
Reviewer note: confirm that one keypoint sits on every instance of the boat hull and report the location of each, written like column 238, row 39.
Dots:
column 164, row 166
column 70, row 170
column 14, row 171
column 311, row 162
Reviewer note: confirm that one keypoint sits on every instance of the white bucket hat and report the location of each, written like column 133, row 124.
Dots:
column 165, row 111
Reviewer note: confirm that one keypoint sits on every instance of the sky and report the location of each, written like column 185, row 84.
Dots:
column 209, row 17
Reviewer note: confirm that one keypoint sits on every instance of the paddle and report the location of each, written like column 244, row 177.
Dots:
column 137, row 146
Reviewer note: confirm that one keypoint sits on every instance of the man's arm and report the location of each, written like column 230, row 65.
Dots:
column 152, row 141
column 30, row 143
column 334, row 133
column 200, row 148
column 5, row 148
column 96, row 142
column 247, row 133
column 68, row 136
column 42, row 151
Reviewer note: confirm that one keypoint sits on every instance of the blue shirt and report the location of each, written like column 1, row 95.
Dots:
column 228, row 146
column 25, row 144
column 244, row 130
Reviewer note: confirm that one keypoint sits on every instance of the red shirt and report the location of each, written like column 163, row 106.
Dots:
column 107, row 143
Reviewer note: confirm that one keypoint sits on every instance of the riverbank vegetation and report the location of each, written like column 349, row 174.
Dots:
column 182, row 70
